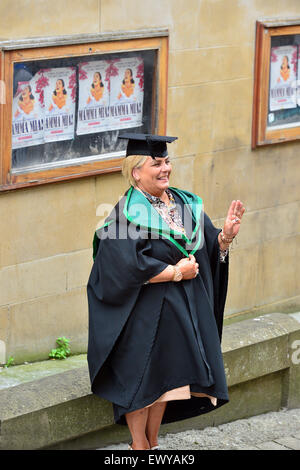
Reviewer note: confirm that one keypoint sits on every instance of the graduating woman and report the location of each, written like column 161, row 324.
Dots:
column 156, row 296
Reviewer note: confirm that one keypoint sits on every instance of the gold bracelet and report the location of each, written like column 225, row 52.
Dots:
column 223, row 244
column 224, row 239
column 177, row 274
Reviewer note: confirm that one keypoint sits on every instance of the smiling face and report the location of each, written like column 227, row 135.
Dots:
column 128, row 74
column 285, row 62
column 153, row 176
column 59, row 85
column 26, row 92
column 97, row 78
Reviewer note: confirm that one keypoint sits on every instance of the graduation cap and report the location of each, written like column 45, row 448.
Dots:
column 147, row 144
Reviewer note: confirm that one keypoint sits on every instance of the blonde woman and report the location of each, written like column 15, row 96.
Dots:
column 156, row 297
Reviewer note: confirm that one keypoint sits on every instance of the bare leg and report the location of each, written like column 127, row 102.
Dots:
column 137, row 421
column 155, row 416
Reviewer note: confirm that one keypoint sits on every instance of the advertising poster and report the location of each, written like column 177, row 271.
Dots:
column 127, row 94
column 110, row 97
column 59, row 104
column 27, row 114
column 283, row 76
column 298, row 78
column 93, row 100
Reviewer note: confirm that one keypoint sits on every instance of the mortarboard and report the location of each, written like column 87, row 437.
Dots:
column 147, row 144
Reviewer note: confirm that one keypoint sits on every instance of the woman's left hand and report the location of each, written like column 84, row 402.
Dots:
column 233, row 220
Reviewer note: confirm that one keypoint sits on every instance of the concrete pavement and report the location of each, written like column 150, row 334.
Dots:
column 270, row 431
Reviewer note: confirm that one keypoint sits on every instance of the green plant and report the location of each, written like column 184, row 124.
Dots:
column 10, row 362
column 62, row 351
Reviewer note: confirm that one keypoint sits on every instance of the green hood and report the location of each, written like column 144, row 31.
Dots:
column 140, row 212
column 148, row 217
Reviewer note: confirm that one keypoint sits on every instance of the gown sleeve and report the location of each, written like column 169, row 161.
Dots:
column 122, row 266
column 219, row 271
column 120, row 269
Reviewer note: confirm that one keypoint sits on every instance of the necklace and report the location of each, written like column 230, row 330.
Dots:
column 169, row 212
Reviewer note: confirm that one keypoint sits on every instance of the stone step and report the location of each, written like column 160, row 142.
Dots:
column 50, row 404
column 28, row 372
column 276, row 430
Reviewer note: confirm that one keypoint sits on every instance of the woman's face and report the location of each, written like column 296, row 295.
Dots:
column 26, row 92
column 59, row 85
column 127, row 74
column 285, row 62
column 96, row 79
column 153, row 176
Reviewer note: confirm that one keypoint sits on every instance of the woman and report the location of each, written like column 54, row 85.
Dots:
column 128, row 84
column 26, row 102
column 284, row 70
column 59, row 95
column 97, row 88
column 156, row 297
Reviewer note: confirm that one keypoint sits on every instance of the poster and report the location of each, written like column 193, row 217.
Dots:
column 27, row 114
column 59, row 104
column 127, row 94
column 298, row 78
column 110, row 97
column 283, row 76
column 44, row 108
column 93, row 99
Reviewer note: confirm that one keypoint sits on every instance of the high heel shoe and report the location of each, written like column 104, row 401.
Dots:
column 151, row 448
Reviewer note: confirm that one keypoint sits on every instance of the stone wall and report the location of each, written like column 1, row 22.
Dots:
column 45, row 250
column 57, row 409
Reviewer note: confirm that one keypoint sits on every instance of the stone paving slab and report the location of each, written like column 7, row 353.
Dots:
column 270, row 431
column 271, row 445
column 290, row 442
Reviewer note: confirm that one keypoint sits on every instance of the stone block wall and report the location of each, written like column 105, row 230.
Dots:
column 45, row 250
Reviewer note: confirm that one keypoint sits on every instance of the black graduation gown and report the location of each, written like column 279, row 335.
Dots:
column 146, row 339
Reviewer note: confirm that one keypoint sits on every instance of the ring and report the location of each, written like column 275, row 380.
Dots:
column 236, row 219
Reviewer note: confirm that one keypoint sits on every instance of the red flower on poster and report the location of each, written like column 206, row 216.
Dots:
column 294, row 60
column 273, row 55
column 140, row 75
column 82, row 75
column 41, row 83
column 111, row 71
column 72, row 85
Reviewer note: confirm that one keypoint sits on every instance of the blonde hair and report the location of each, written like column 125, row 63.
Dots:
column 131, row 162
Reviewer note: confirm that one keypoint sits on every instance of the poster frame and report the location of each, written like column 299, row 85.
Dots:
column 261, row 133
column 75, row 46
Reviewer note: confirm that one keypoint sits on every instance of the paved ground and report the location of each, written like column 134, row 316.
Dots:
column 271, row 431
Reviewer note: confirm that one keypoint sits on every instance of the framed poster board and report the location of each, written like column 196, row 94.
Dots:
column 276, row 99
column 68, row 99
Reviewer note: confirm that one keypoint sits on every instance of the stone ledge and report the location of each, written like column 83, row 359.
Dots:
column 264, row 341
column 72, row 39
column 51, row 410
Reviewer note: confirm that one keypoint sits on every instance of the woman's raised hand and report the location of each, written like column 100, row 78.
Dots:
column 233, row 219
